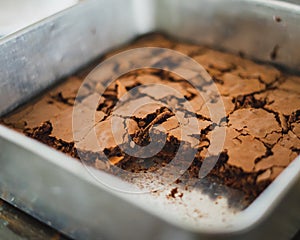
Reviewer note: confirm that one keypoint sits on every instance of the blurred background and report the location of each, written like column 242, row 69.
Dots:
column 17, row 14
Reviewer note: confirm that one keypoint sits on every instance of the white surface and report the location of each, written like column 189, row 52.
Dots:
column 17, row 14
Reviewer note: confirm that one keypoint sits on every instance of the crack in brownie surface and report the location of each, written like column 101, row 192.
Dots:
column 262, row 107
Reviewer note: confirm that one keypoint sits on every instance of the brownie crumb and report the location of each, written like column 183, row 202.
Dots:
column 277, row 18
column 178, row 181
column 173, row 193
column 274, row 52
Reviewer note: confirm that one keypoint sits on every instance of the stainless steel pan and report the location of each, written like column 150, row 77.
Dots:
column 60, row 191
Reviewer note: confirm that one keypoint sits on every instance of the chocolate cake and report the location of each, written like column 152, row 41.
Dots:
column 262, row 122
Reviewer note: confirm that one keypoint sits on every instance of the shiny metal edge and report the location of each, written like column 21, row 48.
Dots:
column 248, row 27
column 38, row 56
column 272, row 194
column 60, row 192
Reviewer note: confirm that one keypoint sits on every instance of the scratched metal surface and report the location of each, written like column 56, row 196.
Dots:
column 34, row 58
column 61, row 193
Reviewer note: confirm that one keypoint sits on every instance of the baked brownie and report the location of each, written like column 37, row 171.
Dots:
column 262, row 108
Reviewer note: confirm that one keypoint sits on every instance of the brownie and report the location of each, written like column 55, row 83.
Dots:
column 262, row 118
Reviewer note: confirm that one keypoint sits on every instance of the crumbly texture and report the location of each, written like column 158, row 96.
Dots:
column 262, row 106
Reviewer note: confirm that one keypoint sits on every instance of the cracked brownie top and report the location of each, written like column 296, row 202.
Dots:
column 262, row 107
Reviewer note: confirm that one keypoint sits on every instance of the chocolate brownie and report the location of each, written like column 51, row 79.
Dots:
column 262, row 108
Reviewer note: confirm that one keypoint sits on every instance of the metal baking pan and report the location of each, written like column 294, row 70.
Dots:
column 60, row 191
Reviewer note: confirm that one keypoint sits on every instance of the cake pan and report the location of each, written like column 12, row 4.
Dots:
column 62, row 193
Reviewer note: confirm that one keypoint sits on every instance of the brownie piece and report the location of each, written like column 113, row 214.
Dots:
column 262, row 106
